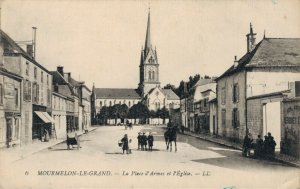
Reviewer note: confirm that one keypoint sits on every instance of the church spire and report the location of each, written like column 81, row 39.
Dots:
column 148, row 36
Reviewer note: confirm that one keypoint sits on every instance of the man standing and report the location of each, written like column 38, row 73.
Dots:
column 139, row 141
column 150, row 141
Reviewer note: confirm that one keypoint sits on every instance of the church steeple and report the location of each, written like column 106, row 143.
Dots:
column 148, row 44
column 149, row 67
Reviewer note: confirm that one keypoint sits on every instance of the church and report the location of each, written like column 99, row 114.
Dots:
column 149, row 91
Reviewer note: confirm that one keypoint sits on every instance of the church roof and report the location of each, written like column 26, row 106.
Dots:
column 270, row 53
column 170, row 94
column 148, row 35
column 117, row 93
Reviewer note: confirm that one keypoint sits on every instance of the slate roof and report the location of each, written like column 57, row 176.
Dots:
column 170, row 94
column 269, row 52
column 116, row 93
column 65, row 90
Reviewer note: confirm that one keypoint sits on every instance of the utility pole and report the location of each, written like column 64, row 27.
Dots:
column 34, row 42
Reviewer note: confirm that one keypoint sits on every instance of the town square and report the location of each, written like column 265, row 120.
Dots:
column 149, row 94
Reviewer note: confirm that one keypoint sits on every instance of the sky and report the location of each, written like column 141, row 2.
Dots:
column 100, row 41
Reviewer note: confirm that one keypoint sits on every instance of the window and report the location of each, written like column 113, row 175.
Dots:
column 150, row 77
column 42, row 76
column 27, row 68
column 16, row 97
column 47, row 79
column 223, row 117
column 129, row 103
column 35, row 72
column 100, row 104
column 235, row 118
column 223, row 95
column 1, row 93
column 109, row 103
column 235, row 93
column 27, row 90
column 48, row 97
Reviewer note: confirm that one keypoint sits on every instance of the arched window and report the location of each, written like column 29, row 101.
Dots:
column 129, row 104
column 152, row 75
column 109, row 103
column 149, row 75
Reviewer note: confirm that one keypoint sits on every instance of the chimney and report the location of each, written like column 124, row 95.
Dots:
column 250, row 40
column 236, row 62
column 29, row 50
column 60, row 69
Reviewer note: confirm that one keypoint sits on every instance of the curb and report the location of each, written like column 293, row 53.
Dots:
column 56, row 143
column 238, row 148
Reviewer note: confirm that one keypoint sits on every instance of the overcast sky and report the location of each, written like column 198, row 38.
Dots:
column 101, row 41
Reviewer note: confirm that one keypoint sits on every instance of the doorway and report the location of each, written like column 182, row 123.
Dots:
column 272, row 121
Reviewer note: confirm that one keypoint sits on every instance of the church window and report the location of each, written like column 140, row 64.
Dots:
column 100, row 104
column 109, row 103
column 150, row 75
column 129, row 103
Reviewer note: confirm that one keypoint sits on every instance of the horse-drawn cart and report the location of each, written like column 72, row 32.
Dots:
column 73, row 139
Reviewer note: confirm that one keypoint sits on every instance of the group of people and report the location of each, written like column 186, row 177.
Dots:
column 143, row 140
column 262, row 148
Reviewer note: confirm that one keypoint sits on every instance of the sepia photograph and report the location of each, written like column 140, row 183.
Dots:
column 98, row 94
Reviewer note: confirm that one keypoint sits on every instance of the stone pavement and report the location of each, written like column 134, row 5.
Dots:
column 278, row 157
column 9, row 155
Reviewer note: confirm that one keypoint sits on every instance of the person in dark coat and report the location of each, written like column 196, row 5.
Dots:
column 150, row 141
column 266, row 147
column 139, row 141
column 124, row 140
column 258, row 150
column 272, row 145
column 247, row 145
column 144, row 142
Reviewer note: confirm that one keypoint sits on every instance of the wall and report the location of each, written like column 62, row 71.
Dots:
column 290, row 130
column 255, row 117
column 105, row 102
column 267, row 82
column 228, row 131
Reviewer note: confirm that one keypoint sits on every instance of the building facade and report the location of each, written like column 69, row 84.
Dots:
column 266, row 69
column 148, row 92
column 36, row 89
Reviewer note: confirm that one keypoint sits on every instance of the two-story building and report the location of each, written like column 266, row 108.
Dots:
column 36, row 89
column 267, row 67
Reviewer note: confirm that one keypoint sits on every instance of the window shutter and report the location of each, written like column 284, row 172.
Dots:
column 37, row 93
column 233, row 92
column 237, row 118
column 29, row 90
column 233, row 118
column 238, row 93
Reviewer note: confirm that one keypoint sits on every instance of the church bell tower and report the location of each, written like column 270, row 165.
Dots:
column 149, row 67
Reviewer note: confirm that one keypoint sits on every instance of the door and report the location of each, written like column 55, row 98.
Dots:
column 214, row 125
column 272, row 121
column 8, row 131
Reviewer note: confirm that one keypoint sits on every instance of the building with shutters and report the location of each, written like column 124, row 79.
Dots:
column 267, row 68
column 36, row 89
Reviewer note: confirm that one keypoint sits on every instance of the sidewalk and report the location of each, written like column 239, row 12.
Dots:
column 10, row 155
column 278, row 157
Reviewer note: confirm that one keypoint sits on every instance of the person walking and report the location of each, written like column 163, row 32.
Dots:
column 150, row 141
column 124, row 140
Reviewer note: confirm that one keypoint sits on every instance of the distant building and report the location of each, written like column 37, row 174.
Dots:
column 149, row 91
column 267, row 67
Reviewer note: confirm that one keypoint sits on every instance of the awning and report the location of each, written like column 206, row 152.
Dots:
column 42, row 116
column 49, row 117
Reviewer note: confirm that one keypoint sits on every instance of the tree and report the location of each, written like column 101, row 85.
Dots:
column 163, row 113
column 139, row 111
column 104, row 114
column 170, row 86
